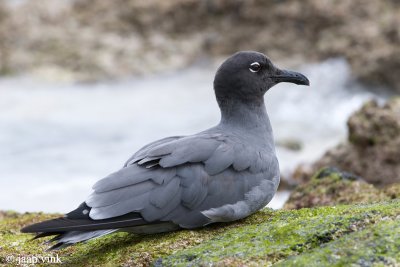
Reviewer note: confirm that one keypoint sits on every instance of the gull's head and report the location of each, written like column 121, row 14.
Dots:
column 247, row 75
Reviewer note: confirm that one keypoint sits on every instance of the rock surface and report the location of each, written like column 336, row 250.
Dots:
column 98, row 39
column 364, row 234
column 331, row 186
column 373, row 147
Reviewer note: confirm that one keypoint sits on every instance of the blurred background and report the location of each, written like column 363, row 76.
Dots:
column 84, row 84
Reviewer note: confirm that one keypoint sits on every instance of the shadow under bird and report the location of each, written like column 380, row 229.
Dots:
column 221, row 174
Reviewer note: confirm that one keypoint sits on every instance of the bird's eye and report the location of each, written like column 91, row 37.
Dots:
column 255, row 67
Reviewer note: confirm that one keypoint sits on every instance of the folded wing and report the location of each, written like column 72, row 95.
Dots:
column 178, row 177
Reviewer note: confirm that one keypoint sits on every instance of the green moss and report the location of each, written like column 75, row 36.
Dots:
column 116, row 249
column 285, row 233
column 265, row 238
column 376, row 245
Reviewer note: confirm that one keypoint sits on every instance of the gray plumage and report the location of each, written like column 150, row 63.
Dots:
column 222, row 174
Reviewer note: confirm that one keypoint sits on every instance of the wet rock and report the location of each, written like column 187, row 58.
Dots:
column 373, row 147
column 331, row 186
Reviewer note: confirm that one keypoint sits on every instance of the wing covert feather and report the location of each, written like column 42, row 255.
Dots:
column 221, row 159
column 133, row 174
column 161, row 195
column 111, row 197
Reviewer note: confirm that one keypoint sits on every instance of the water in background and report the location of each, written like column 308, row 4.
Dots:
column 57, row 140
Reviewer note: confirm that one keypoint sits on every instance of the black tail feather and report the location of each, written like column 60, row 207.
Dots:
column 44, row 234
column 78, row 227
column 64, row 224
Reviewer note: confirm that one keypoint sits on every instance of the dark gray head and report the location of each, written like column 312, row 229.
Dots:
column 247, row 75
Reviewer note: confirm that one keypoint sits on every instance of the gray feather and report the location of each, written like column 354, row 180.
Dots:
column 141, row 153
column 133, row 174
column 194, row 181
column 198, row 150
column 161, row 195
column 243, row 158
column 147, row 159
column 123, row 207
column 73, row 237
column 111, row 197
column 152, row 213
column 221, row 159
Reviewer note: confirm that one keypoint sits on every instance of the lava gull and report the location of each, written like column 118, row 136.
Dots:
column 221, row 174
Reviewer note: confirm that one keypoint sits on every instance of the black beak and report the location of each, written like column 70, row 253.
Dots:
column 290, row 77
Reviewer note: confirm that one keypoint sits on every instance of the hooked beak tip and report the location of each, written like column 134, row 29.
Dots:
column 291, row 77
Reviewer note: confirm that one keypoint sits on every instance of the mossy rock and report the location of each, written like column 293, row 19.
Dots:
column 373, row 147
column 330, row 186
column 364, row 235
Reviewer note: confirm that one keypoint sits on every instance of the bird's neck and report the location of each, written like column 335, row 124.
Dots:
column 249, row 116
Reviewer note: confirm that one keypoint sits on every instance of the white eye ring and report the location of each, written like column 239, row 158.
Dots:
column 255, row 67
